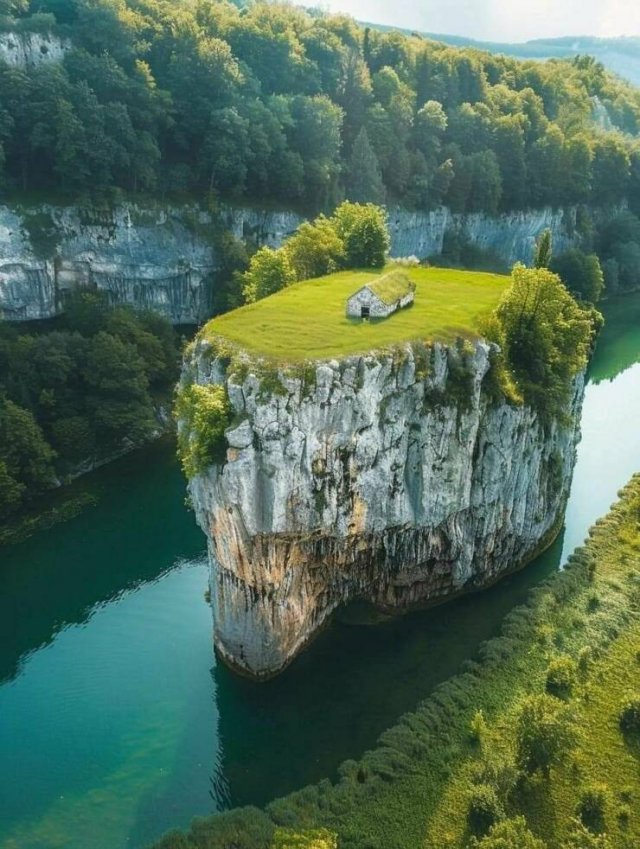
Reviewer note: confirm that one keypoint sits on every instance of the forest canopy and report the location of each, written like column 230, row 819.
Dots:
column 271, row 102
column 77, row 391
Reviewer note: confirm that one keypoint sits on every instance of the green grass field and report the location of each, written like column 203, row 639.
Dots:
column 307, row 320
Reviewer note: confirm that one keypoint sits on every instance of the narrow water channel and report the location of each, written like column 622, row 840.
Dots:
column 117, row 724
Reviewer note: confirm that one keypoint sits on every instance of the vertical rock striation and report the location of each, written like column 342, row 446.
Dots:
column 163, row 258
column 391, row 477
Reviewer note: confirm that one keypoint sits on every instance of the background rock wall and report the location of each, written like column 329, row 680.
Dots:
column 162, row 258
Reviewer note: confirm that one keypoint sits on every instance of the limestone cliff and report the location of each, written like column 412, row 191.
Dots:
column 394, row 477
column 163, row 257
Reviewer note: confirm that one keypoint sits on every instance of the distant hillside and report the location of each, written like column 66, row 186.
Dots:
column 620, row 55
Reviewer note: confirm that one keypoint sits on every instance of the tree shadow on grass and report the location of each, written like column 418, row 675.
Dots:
column 632, row 742
column 532, row 797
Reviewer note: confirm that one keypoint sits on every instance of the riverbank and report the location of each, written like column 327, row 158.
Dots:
column 76, row 493
column 415, row 788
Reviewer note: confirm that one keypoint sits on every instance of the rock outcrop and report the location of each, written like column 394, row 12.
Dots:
column 164, row 257
column 31, row 49
column 390, row 477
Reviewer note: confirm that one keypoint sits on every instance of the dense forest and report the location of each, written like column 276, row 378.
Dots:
column 272, row 103
column 78, row 391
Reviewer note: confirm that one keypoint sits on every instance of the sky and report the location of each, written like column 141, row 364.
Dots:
column 498, row 20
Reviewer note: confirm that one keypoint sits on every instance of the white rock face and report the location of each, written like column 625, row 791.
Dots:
column 30, row 49
column 511, row 236
column 390, row 477
column 162, row 258
column 155, row 259
column 159, row 258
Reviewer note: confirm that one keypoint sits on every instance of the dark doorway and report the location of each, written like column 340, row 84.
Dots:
column 364, row 312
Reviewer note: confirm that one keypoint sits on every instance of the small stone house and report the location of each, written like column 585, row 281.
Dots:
column 381, row 297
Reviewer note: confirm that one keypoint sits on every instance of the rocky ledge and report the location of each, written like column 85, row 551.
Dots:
column 394, row 477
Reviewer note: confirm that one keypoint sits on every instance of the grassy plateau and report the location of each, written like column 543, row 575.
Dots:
column 308, row 321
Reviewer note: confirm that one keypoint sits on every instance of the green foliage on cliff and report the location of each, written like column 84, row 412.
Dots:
column 203, row 414
column 355, row 236
column 547, row 338
column 76, row 390
column 272, row 103
column 416, row 787
column 269, row 271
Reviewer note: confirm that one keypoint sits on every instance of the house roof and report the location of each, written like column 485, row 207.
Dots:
column 391, row 287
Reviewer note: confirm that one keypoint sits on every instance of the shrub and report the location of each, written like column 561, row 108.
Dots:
column 318, row 838
column 592, row 807
column 561, row 675
column 508, row 834
column 581, row 838
column 497, row 772
column 544, row 733
column 203, row 414
column 593, row 602
column 485, row 809
column 477, row 727
column 630, row 714
column 585, row 656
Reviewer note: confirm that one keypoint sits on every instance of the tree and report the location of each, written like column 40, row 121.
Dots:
column 117, row 395
column 73, row 438
column 226, row 151
column 547, row 336
column 544, row 250
column 581, row 273
column 363, row 229
column 125, row 325
column 509, row 148
column 11, row 491
column 429, row 128
column 364, row 183
column 26, row 457
column 544, row 733
column 611, row 170
column 233, row 260
column 269, row 271
column 315, row 249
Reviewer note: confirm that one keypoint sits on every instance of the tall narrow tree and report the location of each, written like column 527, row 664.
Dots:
column 364, row 176
column 544, row 250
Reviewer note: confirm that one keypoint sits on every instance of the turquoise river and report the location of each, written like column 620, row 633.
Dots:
column 116, row 722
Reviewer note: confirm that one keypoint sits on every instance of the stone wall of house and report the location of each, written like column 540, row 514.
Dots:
column 366, row 298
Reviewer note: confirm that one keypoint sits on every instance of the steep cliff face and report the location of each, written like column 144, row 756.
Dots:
column 511, row 236
column 163, row 258
column 389, row 477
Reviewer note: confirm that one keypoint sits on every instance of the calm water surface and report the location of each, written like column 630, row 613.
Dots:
column 117, row 724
